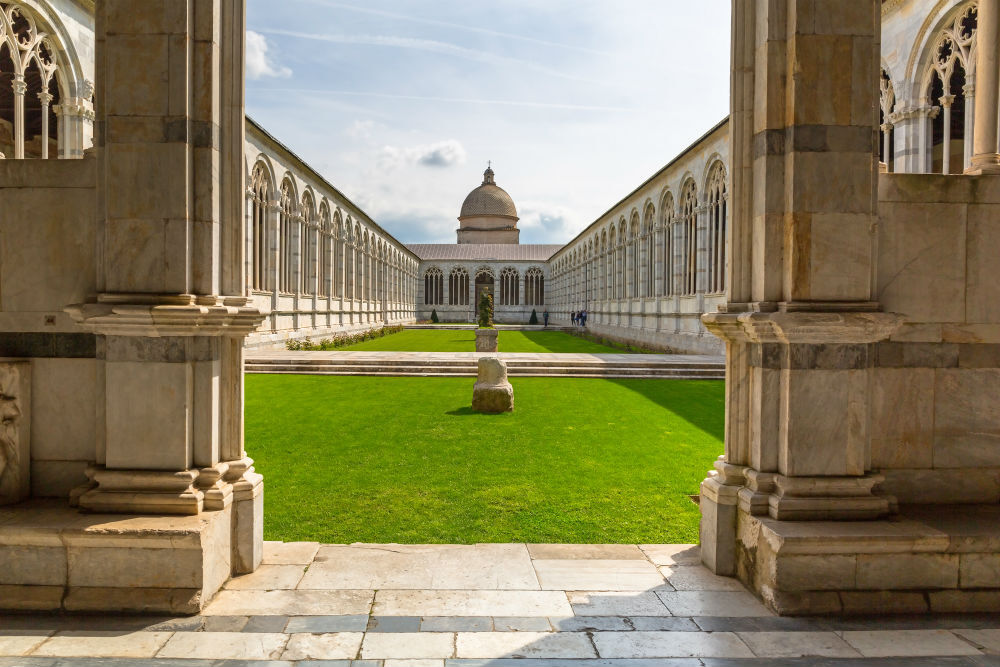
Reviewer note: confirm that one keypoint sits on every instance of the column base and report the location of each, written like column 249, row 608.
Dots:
column 141, row 492
column 928, row 559
column 987, row 163
column 814, row 498
column 56, row 558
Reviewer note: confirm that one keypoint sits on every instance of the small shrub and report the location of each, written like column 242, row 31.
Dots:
column 486, row 311
column 434, row 316
column 343, row 340
column 534, row 317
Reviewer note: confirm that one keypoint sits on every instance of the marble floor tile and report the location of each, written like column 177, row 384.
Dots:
column 598, row 575
column 713, row 603
column 408, row 646
column 22, row 643
column 457, row 624
column 988, row 639
column 267, row 578
column 672, row 554
column 413, row 663
column 670, row 645
column 585, row 551
column 224, row 645
column 330, row 646
column 624, row 603
column 907, row 643
column 290, row 603
column 289, row 553
column 568, row 645
column 472, row 603
column 522, row 624
column 324, row 624
column 797, row 645
column 102, row 644
column 698, row 578
column 422, row 566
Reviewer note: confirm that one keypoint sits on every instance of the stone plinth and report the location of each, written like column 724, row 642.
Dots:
column 492, row 392
column 486, row 340
column 15, row 422
column 57, row 558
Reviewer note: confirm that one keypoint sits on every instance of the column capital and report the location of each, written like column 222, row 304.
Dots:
column 45, row 98
column 19, row 85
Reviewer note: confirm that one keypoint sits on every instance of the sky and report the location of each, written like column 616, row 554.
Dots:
column 401, row 103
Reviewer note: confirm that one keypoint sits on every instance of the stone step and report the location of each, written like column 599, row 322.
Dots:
column 471, row 363
column 457, row 373
column 472, row 368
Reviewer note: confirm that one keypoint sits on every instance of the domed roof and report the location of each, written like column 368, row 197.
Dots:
column 488, row 199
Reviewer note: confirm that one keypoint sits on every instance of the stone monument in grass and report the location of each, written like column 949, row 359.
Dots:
column 492, row 393
column 486, row 335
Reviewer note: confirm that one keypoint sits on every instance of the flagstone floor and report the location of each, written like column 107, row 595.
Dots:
column 503, row 605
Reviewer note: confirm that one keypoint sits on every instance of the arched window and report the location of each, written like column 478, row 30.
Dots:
column 689, row 238
column 458, row 287
column 307, row 246
column 325, row 251
column 951, row 72
column 510, row 285
column 648, row 260
column 433, row 287
column 534, row 287
column 612, row 258
column 260, row 189
column 669, row 246
column 887, row 100
column 717, row 200
column 29, row 87
column 633, row 256
column 287, row 227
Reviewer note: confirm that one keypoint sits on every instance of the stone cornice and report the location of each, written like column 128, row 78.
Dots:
column 808, row 327
column 171, row 315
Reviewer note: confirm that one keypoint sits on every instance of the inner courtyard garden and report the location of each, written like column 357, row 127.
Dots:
column 444, row 339
column 405, row 459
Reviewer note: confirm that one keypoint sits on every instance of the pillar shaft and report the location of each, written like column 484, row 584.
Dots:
column 20, row 87
column 985, row 149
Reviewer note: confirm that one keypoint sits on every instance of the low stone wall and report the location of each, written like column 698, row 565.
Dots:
column 657, row 341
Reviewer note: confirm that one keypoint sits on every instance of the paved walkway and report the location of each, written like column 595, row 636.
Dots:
column 519, row 364
column 504, row 605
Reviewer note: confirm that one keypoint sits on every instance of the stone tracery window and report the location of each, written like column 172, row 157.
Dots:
column 287, row 237
column 648, row 261
column 325, row 251
column 950, row 83
column 29, row 86
column 534, row 287
column 260, row 188
column 717, row 204
column 667, row 214
column 433, row 287
column 458, row 287
column 510, row 285
column 307, row 245
column 688, row 240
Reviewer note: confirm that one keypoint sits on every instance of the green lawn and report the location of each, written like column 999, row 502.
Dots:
column 459, row 340
column 370, row 459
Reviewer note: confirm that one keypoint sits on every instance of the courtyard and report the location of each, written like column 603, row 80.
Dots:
column 464, row 340
column 405, row 459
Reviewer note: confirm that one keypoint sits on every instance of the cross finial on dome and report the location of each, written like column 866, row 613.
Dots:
column 488, row 174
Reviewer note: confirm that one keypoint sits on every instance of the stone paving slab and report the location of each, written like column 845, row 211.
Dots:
column 658, row 608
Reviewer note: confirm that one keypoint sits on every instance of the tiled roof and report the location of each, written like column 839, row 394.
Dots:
column 500, row 252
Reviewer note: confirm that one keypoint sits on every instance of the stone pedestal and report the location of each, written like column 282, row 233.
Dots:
column 486, row 340
column 492, row 393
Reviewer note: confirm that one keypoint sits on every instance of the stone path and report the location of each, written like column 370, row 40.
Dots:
column 463, row 364
column 503, row 605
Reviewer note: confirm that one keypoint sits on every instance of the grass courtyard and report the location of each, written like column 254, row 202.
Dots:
column 464, row 340
column 374, row 459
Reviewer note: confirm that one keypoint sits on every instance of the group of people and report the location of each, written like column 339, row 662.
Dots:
column 579, row 318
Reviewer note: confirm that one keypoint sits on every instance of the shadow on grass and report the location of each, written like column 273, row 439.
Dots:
column 710, row 419
column 463, row 412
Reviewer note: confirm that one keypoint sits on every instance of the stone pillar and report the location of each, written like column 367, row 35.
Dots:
column 172, row 311
column 46, row 99
column 969, row 90
column 946, row 102
column 20, row 88
column 985, row 151
column 800, row 321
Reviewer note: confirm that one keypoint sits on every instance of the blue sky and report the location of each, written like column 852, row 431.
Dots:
column 400, row 103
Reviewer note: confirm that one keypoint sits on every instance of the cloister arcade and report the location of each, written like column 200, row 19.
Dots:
column 453, row 289
column 316, row 263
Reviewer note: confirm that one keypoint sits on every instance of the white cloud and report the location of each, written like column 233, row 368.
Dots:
column 258, row 63
column 548, row 223
column 441, row 154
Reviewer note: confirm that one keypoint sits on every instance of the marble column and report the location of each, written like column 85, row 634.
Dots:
column 20, row 88
column 800, row 319
column 985, row 151
column 172, row 312
column 946, row 102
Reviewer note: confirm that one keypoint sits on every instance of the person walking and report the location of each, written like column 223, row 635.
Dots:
column 545, row 317
column 583, row 318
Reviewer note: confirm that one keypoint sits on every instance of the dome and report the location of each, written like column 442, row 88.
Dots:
column 488, row 200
